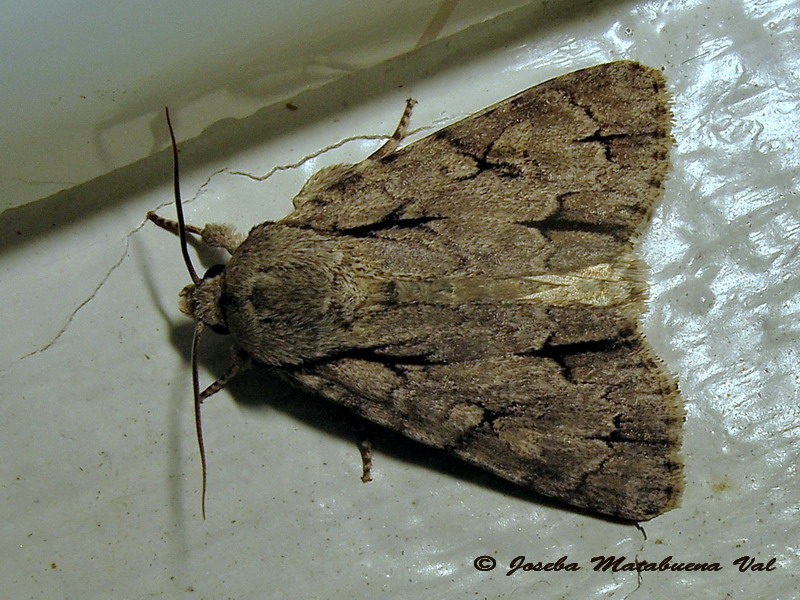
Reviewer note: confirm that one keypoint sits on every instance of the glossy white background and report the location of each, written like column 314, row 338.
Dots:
column 100, row 475
column 85, row 81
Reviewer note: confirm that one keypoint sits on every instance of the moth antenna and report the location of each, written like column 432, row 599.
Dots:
column 198, row 401
column 199, row 327
column 179, row 205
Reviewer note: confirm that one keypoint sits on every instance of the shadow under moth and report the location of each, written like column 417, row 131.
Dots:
column 477, row 291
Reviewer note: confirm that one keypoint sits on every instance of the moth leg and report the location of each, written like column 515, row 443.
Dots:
column 364, row 444
column 222, row 236
column 213, row 235
column 241, row 362
column 365, row 448
column 170, row 225
column 326, row 177
column 402, row 128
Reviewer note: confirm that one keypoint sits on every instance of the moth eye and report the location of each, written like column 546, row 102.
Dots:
column 213, row 271
column 220, row 329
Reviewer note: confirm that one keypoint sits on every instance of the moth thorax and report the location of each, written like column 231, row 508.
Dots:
column 201, row 301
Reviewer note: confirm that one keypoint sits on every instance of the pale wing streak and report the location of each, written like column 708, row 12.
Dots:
column 600, row 285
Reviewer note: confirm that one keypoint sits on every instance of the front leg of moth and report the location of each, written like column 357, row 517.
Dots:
column 213, row 235
column 172, row 226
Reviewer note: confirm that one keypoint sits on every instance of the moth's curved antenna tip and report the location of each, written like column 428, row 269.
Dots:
column 198, row 332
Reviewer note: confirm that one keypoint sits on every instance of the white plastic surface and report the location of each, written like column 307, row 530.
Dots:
column 100, row 475
column 84, row 83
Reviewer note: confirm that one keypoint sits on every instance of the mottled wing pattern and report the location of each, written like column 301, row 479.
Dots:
column 583, row 151
column 559, row 393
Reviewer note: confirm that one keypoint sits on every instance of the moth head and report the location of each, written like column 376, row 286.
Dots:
column 201, row 301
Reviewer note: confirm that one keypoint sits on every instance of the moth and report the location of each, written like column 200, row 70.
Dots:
column 477, row 291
